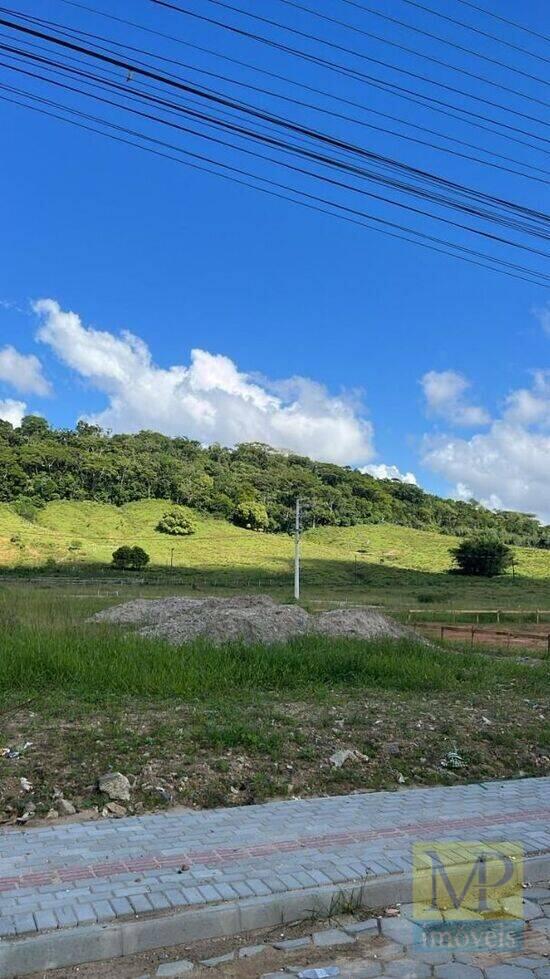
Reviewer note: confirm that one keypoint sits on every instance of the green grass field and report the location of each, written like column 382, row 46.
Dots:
column 235, row 725
column 383, row 564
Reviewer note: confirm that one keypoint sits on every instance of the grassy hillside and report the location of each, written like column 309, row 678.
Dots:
column 379, row 563
column 40, row 464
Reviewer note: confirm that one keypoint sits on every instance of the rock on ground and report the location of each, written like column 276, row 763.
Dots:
column 249, row 619
column 115, row 785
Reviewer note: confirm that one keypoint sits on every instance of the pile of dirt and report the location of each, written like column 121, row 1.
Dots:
column 361, row 623
column 248, row 619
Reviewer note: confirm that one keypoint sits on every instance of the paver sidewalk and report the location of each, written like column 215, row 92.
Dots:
column 59, row 877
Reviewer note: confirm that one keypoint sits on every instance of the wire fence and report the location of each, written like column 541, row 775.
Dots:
column 537, row 615
column 493, row 636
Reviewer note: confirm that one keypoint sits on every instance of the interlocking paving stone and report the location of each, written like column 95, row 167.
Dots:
column 360, row 927
column 218, row 960
column 108, row 869
column 508, row 972
column 408, row 969
column 333, row 936
column 249, row 951
column 173, row 970
column 458, row 971
column 290, row 944
column 526, row 961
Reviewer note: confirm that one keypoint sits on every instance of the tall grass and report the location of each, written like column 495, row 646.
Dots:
column 96, row 664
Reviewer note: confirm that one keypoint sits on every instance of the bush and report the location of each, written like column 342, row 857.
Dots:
column 130, row 558
column 26, row 508
column 177, row 523
column 483, row 556
column 252, row 515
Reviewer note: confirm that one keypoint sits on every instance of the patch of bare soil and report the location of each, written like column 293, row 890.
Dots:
column 242, row 752
column 249, row 619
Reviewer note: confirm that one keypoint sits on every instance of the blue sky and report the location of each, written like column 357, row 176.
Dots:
column 419, row 361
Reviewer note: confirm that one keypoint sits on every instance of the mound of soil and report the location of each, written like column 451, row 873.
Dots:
column 249, row 619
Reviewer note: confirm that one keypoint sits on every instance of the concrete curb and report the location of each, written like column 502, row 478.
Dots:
column 95, row 943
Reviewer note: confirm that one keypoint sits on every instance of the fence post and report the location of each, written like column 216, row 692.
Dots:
column 548, row 646
column 473, row 634
column 443, row 632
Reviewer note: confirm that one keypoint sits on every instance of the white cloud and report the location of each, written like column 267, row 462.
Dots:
column 542, row 313
column 12, row 411
column 210, row 399
column 23, row 372
column 382, row 471
column 509, row 465
column 445, row 393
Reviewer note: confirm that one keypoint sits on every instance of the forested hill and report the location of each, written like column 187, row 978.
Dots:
column 253, row 485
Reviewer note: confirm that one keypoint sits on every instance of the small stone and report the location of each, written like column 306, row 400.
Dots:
column 163, row 794
column 323, row 972
column 115, row 785
column 64, row 807
column 29, row 812
column 339, row 758
column 113, row 810
column 333, row 936
column 393, row 748
column 52, row 814
column 173, row 970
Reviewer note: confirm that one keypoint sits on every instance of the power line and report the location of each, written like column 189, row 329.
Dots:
column 315, row 207
column 240, row 131
column 410, row 95
column 340, row 185
column 420, row 54
column 476, row 30
column 309, row 88
column 504, row 20
column 320, row 109
column 377, row 61
column 336, row 115
column 301, row 130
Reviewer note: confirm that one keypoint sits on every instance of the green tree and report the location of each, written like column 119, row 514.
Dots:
column 127, row 558
column 176, row 522
column 484, row 556
column 140, row 558
column 34, row 426
column 252, row 515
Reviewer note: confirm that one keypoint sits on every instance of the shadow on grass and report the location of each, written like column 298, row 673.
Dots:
column 364, row 582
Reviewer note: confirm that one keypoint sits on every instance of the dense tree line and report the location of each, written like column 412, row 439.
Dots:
column 252, row 484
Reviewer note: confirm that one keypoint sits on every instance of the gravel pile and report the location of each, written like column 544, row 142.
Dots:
column 248, row 619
